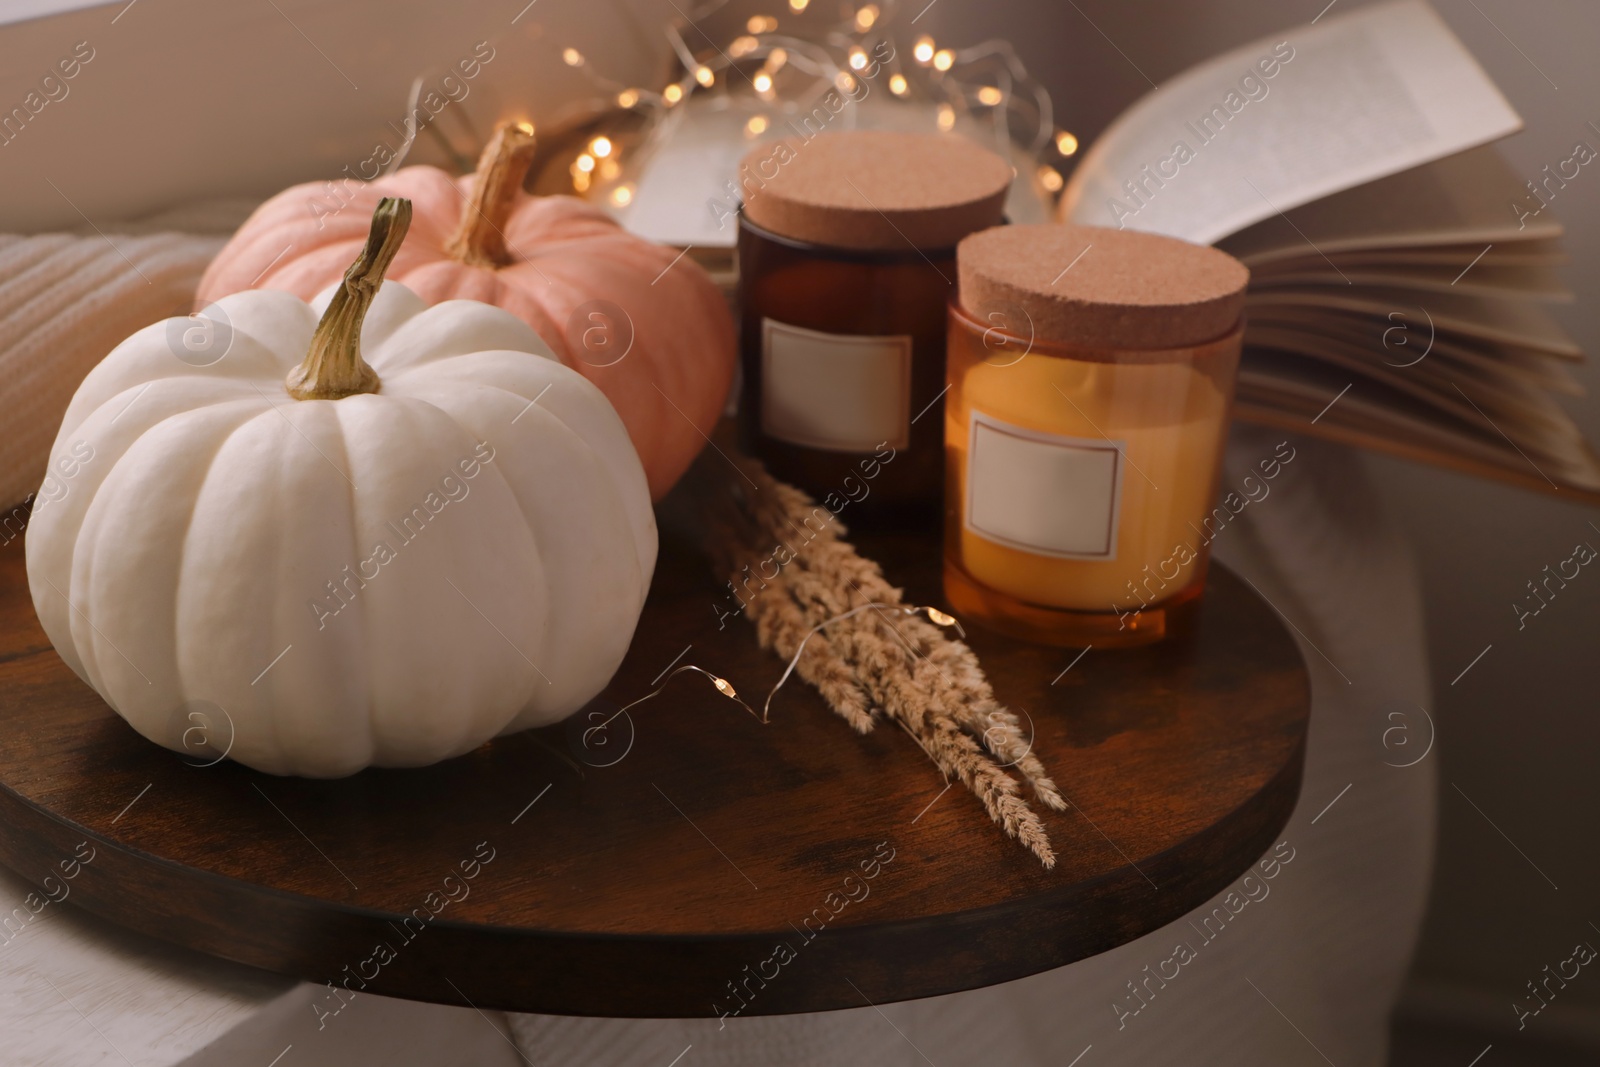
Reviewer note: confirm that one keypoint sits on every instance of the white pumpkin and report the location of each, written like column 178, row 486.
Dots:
column 389, row 578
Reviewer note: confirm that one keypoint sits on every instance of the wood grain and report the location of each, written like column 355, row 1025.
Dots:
column 663, row 884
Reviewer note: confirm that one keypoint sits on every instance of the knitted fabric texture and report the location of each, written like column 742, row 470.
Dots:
column 68, row 299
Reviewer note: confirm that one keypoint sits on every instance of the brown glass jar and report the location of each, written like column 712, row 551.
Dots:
column 846, row 271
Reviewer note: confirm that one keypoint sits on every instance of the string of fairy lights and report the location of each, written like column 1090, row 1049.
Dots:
column 776, row 67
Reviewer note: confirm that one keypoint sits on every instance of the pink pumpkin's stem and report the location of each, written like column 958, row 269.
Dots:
column 480, row 239
column 334, row 369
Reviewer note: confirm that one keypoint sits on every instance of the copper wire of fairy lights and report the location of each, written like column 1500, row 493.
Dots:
column 986, row 86
column 934, row 615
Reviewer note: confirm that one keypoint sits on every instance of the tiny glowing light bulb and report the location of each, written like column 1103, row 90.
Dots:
column 939, row 618
column 858, row 59
column 743, row 46
column 989, row 95
column 777, row 58
column 672, row 93
column 897, row 84
column 525, row 126
column 947, row 117
column 943, row 59
column 923, row 49
column 756, row 126
column 1066, row 144
column 627, row 98
column 845, row 82
column 572, row 57
column 798, row 5
column 762, row 82
column 704, row 76
column 723, row 687
column 1051, row 179
column 866, row 17
column 622, row 195
column 601, row 147
column 585, row 163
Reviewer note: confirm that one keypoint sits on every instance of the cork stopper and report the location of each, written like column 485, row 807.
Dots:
column 1105, row 288
column 874, row 189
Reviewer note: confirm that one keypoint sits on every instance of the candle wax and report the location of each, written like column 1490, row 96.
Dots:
column 1168, row 419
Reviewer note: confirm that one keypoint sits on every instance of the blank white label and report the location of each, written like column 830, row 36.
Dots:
column 1043, row 492
column 838, row 392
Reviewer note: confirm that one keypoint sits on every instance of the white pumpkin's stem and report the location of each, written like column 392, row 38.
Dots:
column 480, row 238
column 334, row 367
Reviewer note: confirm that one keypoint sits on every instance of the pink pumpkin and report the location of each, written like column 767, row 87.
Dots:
column 650, row 330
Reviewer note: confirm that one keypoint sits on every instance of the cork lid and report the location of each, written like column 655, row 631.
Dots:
column 874, row 189
column 1107, row 288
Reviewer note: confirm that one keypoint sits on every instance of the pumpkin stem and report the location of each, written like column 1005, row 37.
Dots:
column 334, row 367
column 480, row 240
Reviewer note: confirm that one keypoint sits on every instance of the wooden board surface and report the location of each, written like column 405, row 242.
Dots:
column 686, row 860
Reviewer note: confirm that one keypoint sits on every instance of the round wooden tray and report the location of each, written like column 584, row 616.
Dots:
column 686, row 860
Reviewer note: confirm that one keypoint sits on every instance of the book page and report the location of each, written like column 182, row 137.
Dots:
column 1487, row 278
column 1506, row 396
column 1470, row 198
column 1287, row 120
column 1540, row 253
column 1276, row 389
column 1400, row 349
column 1505, row 322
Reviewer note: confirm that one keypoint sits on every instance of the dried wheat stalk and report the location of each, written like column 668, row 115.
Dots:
column 909, row 668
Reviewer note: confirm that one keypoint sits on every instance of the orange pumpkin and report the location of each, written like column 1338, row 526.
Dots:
column 650, row 330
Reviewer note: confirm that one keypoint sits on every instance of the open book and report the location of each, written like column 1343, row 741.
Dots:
column 1400, row 271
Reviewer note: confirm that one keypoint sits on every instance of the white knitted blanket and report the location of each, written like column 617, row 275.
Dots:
column 67, row 299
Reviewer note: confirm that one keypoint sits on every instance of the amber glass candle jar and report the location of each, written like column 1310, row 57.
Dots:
column 846, row 270
column 1091, row 377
